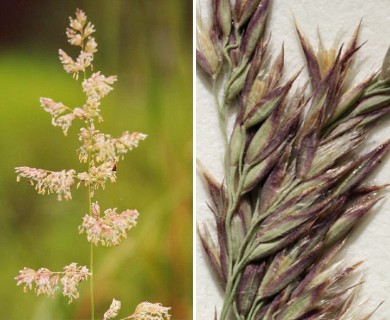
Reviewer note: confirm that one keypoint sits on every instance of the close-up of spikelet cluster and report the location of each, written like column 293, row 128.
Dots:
column 294, row 181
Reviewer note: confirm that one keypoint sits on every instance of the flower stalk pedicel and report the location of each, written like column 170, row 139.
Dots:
column 293, row 181
column 101, row 153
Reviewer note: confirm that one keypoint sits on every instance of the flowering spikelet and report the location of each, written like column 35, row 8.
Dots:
column 59, row 116
column 109, row 229
column 150, row 311
column 79, row 34
column 72, row 276
column 112, row 312
column 54, row 108
column 47, row 282
column 91, row 109
column 207, row 54
column 102, row 147
column 98, row 176
column 97, row 85
column 49, row 181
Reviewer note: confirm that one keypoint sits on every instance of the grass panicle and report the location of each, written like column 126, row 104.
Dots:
column 101, row 153
column 294, row 182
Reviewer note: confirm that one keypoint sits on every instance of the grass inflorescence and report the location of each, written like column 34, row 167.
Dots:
column 293, row 185
column 100, row 153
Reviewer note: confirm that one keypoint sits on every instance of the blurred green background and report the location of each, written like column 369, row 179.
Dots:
column 148, row 44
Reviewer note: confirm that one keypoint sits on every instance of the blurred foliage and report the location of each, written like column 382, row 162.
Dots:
column 148, row 44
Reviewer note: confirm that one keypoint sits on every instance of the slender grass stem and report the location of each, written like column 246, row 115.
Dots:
column 235, row 268
column 91, row 289
column 234, row 196
column 236, row 312
column 245, row 250
column 233, row 283
column 254, row 309
column 91, row 283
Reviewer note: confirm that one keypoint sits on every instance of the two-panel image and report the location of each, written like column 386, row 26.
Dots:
column 206, row 160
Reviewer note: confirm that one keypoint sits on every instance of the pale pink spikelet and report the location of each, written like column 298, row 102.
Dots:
column 82, row 62
column 78, row 23
column 26, row 277
column 45, row 181
column 128, row 141
column 90, row 46
column 72, row 276
column 54, row 108
column 98, row 85
column 47, row 282
column 63, row 116
column 151, row 311
column 102, row 147
column 78, row 31
column 74, row 37
column 79, row 34
column 97, row 176
column 91, row 109
column 112, row 312
column 64, row 122
column 109, row 229
column 87, row 136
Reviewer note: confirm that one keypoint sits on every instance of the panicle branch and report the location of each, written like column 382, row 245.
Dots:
column 112, row 312
column 62, row 116
column 102, row 147
column 79, row 34
column 144, row 311
column 152, row 311
column 109, row 229
column 97, row 176
column 97, row 85
column 45, row 181
column 48, row 282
